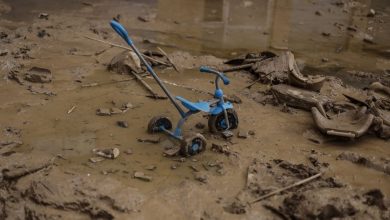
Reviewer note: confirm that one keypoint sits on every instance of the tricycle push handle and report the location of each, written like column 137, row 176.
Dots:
column 121, row 31
column 205, row 69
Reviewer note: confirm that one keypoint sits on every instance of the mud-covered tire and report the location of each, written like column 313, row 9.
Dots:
column 193, row 144
column 156, row 122
column 216, row 121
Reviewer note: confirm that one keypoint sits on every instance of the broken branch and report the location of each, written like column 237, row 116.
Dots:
column 287, row 187
column 169, row 60
column 127, row 48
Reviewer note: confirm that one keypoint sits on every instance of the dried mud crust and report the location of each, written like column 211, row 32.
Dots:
column 323, row 198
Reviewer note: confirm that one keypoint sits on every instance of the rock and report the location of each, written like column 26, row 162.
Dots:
column 125, row 62
column 201, row 177
column 200, row 125
column 149, row 140
column 128, row 151
column 147, row 18
column 3, row 52
column 251, row 132
column 122, row 124
column 319, row 13
column 42, row 33
column 43, row 16
column 96, row 159
column 103, row 112
column 236, row 208
column 38, row 75
column 227, row 134
column 110, row 153
column 325, row 34
column 368, row 39
column 151, row 167
column 142, row 176
column 325, row 60
column 371, row 13
column 115, row 111
column 375, row 197
column 220, row 149
column 242, row 134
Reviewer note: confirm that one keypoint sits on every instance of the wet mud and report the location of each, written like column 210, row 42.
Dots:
column 74, row 117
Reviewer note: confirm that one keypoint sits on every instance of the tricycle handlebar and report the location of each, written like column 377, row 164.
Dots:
column 121, row 31
column 205, row 69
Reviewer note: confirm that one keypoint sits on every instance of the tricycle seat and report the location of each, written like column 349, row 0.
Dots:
column 194, row 106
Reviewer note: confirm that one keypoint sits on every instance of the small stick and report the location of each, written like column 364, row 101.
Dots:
column 154, row 95
column 111, row 82
column 287, row 187
column 245, row 66
column 71, row 109
column 126, row 48
column 169, row 60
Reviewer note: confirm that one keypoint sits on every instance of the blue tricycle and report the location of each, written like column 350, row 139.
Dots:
column 222, row 116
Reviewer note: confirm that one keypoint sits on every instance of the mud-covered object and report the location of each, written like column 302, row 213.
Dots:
column 38, row 75
column 350, row 124
column 273, row 70
column 310, row 82
column 298, row 98
column 125, row 62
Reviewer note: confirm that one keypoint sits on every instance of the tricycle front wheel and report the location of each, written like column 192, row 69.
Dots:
column 217, row 123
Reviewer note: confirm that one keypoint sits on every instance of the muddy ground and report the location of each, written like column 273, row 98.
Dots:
column 49, row 124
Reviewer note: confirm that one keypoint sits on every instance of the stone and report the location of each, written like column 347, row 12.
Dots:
column 96, row 159
column 371, row 13
column 110, row 153
column 201, row 177
column 122, row 124
column 141, row 176
column 43, row 16
column 242, row 134
column 151, row 167
column 227, row 134
column 128, row 151
column 115, row 111
column 103, row 112
column 200, row 125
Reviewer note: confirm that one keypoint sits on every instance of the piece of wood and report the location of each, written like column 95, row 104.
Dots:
column 147, row 87
column 235, row 68
column 287, row 187
column 71, row 109
column 126, row 48
column 169, row 60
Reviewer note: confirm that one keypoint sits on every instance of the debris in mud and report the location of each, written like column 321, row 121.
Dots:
column 222, row 149
column 38, row 75
column 3, row 52
column 299, row 98
column 371, row 13
column 375, row 197
column 42, row 33
column 147, row 18
column 380, row 164
column 103, row 112
column 122, row 124
column 141, row 176
column 151, row 167
column 317, row 137
column 96, row 159
column 236, row 207
column 125, row 63
column 201, row 177
column 110, row 153
column 43, row 16
column 40, row 89
column 14, row 75
column 368, row 39
column 149, row 140
column 227, row 134
column 128, row 151
column 243, row 134
column 200, row 125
